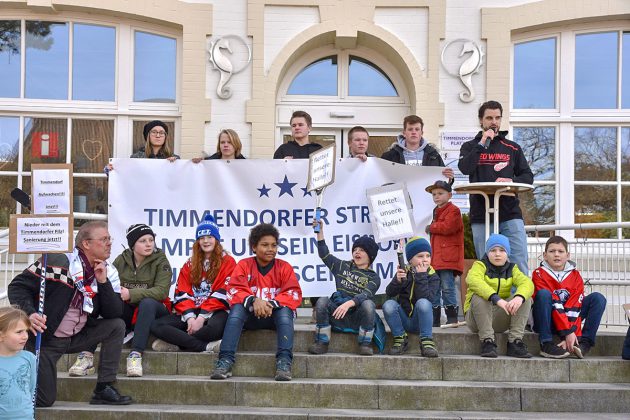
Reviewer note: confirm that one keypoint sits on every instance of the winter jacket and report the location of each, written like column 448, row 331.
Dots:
column 23, row 291
column 351, row 281
column 447, row 239
column 430, row 156
column 501, row 159
column 218, row 155
column 140, row 154
column 567, row 293
column 206, row 298
column 415, row 286
column 279, row 286
column 151, row 279
column 295, row 150
column 493, row 283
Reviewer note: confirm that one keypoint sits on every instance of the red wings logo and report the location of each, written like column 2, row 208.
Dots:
column 500, row 166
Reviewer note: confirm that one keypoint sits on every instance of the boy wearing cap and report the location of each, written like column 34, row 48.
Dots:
column 447, row 241
column 145, row 276
column 490, row 307
column 560, row 304
column 414, row 288
column 263, row 293
column 351, row 308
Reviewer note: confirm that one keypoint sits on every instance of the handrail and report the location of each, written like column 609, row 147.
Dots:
column 577, row 226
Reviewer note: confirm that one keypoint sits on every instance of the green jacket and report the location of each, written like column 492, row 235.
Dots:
column 152, row 279
column 486, row 280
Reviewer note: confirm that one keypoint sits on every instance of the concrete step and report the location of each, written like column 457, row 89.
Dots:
column 407, row 367
column 449, row 341
column 80, row 411
column 363, row 394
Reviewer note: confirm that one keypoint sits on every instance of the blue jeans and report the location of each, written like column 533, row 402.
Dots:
column 421, row 320
column 625, row 352
column 363, row 316
column 447, row 289
column 239, row 318
column 593, row 307
column 514, row 230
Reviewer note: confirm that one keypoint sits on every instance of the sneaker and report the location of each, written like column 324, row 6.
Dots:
column 365, row 349
column 109, row 395
column 83, row 366
column 488, row 348
column 577, row 352
column 134, row 364
column 213, row 346
column 283, row 370
column 128, row 337
column 161, row 345
column 222, row 369
column 553, row 351
column 318, row 347
column 518, row 349
column 428, row 348
column 585, row 346
column 401, row 343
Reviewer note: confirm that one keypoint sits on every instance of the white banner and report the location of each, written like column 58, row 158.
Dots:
column 172, row 198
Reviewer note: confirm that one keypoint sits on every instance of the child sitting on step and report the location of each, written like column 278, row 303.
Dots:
column 263, row 293
column 413, row 288
column 490, row 305
column 351, row 308
column 560, row 305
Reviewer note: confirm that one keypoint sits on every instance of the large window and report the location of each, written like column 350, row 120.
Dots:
column 359, row 77
column 571, row 119
column 82, row 91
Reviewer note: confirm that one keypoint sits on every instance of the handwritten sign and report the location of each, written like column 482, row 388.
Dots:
column 321, row 168
column 52, row 189
column 390, row 212
column 34, row 234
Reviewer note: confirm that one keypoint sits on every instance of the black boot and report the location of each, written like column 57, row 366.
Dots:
column 437, row 313
column 451, row 314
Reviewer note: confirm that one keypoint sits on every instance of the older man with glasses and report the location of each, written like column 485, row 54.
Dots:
column 80, row 287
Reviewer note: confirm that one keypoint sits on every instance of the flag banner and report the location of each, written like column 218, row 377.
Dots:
column 172, row 198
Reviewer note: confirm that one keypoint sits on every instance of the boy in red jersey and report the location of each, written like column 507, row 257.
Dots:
column 560, row 304
column 263, row 293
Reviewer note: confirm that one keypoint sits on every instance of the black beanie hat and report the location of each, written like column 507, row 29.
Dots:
column 368, row 245
column 136, row 232
column 148, row 126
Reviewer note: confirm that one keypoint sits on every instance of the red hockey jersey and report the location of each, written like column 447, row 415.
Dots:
column 567, row 293
column 207, row 297
column 279, row 286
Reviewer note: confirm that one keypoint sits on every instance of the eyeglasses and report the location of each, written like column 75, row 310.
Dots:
column 105, row 240
column 158, row 133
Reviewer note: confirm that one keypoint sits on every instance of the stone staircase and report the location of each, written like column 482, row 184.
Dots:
column 457, row 385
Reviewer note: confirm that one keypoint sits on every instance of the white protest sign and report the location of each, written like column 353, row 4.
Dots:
column 321, row 168
column 242, row 193
column 35, row 234
column 52, row 188
column 389, row 210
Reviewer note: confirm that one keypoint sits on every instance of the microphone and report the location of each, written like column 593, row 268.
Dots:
column 21, row 197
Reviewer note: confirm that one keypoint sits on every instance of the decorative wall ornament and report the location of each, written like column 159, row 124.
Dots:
column 224, row 64
column 467, row 68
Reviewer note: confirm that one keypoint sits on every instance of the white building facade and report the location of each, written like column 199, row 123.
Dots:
column 81, row 78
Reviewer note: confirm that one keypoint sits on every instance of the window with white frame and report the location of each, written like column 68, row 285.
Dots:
column 571, row 117
column 75, row 91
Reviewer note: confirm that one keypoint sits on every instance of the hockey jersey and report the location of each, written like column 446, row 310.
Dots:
column 567, row 293
column 209, row 296
column 279, row 286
